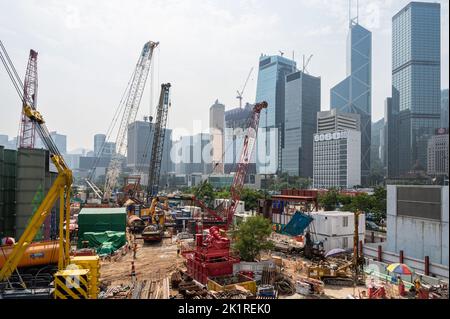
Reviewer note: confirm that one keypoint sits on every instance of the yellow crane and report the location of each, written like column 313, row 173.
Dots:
column 70, row 282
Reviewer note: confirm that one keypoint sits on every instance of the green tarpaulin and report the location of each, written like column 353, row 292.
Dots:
column 106, row 242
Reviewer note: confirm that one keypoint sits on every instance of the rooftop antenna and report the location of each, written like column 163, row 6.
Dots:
column 281, row 52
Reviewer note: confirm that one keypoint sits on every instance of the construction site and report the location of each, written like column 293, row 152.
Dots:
column 137, row 242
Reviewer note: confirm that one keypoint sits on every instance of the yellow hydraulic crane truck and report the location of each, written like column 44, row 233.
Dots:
column 76, row 277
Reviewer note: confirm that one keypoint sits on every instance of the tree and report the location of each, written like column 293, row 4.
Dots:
column 252, row 237
column 223, row 193
column 329, row 200
column 250, row 197
column 205, row 192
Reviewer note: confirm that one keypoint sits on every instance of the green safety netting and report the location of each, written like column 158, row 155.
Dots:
column 106, row 242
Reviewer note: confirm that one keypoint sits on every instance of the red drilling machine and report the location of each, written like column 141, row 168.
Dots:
column 211, row 256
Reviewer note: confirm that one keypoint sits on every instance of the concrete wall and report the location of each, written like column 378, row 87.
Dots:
column 418, row 237
column 33, row 182
column 370, row 251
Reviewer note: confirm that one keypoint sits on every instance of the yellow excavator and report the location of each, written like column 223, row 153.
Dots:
column 155, row 230
column 77, row 277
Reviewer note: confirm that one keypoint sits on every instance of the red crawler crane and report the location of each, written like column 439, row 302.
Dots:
column 27, row 137
column 211, row 256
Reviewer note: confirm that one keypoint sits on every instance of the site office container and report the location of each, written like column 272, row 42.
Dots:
column 100, row 220
column 230, row 282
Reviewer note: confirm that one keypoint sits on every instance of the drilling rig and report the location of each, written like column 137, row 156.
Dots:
column 211, row 256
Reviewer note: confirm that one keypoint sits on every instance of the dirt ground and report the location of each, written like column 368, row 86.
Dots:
column 152, row 261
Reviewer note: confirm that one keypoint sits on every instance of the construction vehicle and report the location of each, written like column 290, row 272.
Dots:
column 155, row 230
column 341, row 272
column 73, row 279
column 313, row 250
column 211, row 256
column 130, row 106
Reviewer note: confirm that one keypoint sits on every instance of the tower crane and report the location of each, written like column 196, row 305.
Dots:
column 159, row 131
column 60, row 190
column 132, row 101
column 240, row 93
column 305, row 63
column 27, row 136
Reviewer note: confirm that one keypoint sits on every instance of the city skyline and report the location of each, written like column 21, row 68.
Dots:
column 232, row 53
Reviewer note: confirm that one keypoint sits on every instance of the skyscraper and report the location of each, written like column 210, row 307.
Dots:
column 140, row 140
column 416, row 80
column 60, row 141
column 302, row 102
column 444, row 108
column 353, row 94
column 217, row 131
column 99, row 140
column 337, row 150
column 271, row 88
column 390, row 139
column 236, row 123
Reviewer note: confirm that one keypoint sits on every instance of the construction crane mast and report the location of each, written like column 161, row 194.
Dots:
column 240, row 93
column 27, row 136
column 132, row 101
column 159, row 131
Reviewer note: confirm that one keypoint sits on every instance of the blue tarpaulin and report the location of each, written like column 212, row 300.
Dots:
column 297, row 224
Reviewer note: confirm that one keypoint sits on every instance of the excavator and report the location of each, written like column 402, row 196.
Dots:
column 75, row 278
column 340, row 272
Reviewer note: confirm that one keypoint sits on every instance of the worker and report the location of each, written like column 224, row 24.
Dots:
column 134, row 250
column 178, row 247
column 417, row 285
column 401, row 286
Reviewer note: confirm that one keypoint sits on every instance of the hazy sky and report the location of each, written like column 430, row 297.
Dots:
column 88, row 49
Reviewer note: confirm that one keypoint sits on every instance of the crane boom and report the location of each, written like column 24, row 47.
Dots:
column 158, row 141
column 242, row 166
column 27, row 136
column 133, row 99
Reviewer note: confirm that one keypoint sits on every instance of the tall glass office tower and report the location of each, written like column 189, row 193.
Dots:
column 353, row 94
column 416, row 80
column 271, row 88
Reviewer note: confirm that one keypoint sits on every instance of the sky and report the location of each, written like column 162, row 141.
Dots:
column 88, row 50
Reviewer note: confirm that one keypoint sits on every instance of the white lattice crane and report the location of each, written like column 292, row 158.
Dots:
column 131, row 106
